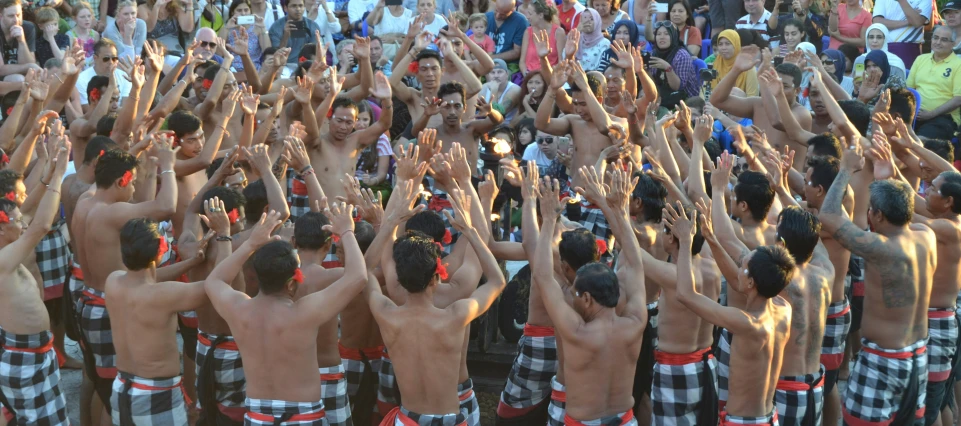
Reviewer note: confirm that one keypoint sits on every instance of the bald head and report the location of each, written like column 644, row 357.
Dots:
column 503, row 9
column 208, row 42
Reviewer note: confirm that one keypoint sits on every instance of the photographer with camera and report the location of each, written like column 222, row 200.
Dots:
column 293, row 30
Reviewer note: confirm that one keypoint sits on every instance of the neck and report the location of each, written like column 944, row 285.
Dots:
column 599, row 313
column 756, row 16
column 312, row 257
column 86, row 174
column 423, row 299
column 941, row 56
column 429, row 91
column 147, row 275
column 452, row 128
column 756, row 303
column 749, row 222
column 108, row 196
column 889, row 230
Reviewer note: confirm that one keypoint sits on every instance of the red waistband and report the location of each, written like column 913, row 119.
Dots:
column 331, row 377
column 395, row 414
column 41, row 350
column 306, row 417
column 895, row 355
column 625, row 418
column 854, row 421
column 538, row 331
column 842, row 313
column 937, row 313
column 726, row 422
column 180, row 385
column 228, row 345
column 668, row 358
column 466, row 395
column 77, row 273
column 793, row 386
column 559, row 396
column 371, row 353
column 94, row 299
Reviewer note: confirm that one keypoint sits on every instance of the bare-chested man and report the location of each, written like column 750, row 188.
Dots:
column 601, row 347
column 762, row 326
column 30, row 382
column 754, row 108
column 588, row 127
column 887, row 378
column 426, row 340
column 276, row 335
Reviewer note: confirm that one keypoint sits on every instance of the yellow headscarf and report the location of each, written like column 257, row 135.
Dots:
column 724, row 66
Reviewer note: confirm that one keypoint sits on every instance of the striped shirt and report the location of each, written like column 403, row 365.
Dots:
column 891, row 9
column 760, row 26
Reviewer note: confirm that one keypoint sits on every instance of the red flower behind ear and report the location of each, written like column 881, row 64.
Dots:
column 12, row 196
column 335, row 237
column 601, row 247
column 101, row 153
column 207, row 83
column 298, row 276
column 447, row 237
column 233, row 215
column 441, row 270
column 413, row 67
column 9, row 111
column 4, row 159
column 163, row 247
column 94, row 95
column 330, row 113
column 126, row 179
column 3, row 217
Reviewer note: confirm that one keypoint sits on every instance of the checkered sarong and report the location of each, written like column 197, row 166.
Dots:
column 529, row 382
column 723, row 365
column 800, row 399
column 400, row 416
column 468, row 402
column 557, row 409
column 355, row 367
column 883, row 388
column 623, row 419
column 836, row 330
column 268, row 412
column 729, row 420
column 388, row 393
column 97, row 333
column 592, row 218
column 53, row 260
column 220, row 377
column 942, row 343
column 30, row 379
column 139, row 401
column 684, row 389
column 297, row 199
column 333, row 392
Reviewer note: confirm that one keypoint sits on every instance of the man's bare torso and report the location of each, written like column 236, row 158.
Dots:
column 756, row 361
column 808, row 293
column 21, row 303
column 144, row 334
column 680, row 331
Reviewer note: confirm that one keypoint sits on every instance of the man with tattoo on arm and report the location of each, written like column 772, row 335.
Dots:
column 887, row 379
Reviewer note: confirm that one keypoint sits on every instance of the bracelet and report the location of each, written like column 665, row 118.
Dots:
column 54, row 190
column 669, row 69
column 387, row 105
column 224, row 238
column 44, row 183
column 307, row 173
column 165, row 171
column 345, row 233
column 305, row 169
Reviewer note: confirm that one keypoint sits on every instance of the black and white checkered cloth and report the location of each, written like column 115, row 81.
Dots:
column 593, row 220
column 53, row 260
column 723, row 365
column 881, row 386
column 622, row 419
column 333, row 392
column 403, row 417
column 468, row 402
column 388, row 393
column 30, row 379
column 768, row 420
column 529, row 382
column 557, row 409
column 297, row 199
column 148, row 402
column 942, row 343
column 684, row 394
column 836, row 329
column 225, row 369
column 800, row 407
column 355, row 367
column 267, row 412
column 95, row 324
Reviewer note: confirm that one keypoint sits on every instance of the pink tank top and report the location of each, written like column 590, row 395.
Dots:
column 531, row 59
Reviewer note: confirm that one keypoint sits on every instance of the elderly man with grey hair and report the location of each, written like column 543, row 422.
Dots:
column 935, row 76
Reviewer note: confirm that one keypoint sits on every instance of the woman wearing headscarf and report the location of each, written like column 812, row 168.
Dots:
column 878, row 61
column 626, row 32
column 876, row 38
column 592, row 44
column 726, row 49
column 836, row 63
column 672, row 65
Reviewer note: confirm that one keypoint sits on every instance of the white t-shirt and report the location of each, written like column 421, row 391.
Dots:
column 533, row 152
column 391, row 24
column 357, row 8
column 891, row 9
column 434, row 27
column 86, row 75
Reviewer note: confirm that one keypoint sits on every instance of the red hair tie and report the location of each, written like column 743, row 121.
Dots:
column 298, row 276
column 101, row 153
column 207, row 84
column 601, row 247
column 95, row 95
column 413, row 67
column 3, row 217
column 447, row 237
column 12, row 196
column 233, row 215
column 126, row 179
column 441, row 270
column 163, row 247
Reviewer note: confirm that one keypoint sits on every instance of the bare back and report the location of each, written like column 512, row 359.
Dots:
column 101, row 242
column 947, row 276
column 756, row 361
column 328, row 354
column 808, row 293
column 144, row 332
column 588, row 142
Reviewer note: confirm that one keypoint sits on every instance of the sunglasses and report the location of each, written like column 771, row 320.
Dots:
column 208, row 44
column 545, row 140
column 106, row 59
column 828, row 62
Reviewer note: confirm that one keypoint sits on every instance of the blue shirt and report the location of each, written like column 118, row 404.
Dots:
column 296, row 44
column 509, row 34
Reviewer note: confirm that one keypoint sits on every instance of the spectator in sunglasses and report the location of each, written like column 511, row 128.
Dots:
column 542, row 151
column 105, row 62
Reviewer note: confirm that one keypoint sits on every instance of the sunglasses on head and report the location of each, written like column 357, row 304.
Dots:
column 106, row 59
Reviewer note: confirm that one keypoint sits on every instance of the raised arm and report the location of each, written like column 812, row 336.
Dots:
column 600, row 117
column 260, row 160
column 383, row 93
column 165, row 204
column 723, row 227
column 556, row 126
column 863, row 243
column 721, row 96
column 209, row 153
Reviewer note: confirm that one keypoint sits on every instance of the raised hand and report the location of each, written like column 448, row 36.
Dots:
column 885, row 122
column 680, row 225
column 747, row 59
column 361, row 48
column 370, row 207
column 215, row 216
column 621, row 186
column 153, row 55
column 707, row 226
column 629, row 103
column 529, row 181
column 460, row 220
column 870, row 85
column 408, row 165
column 432, row 106
column 341, row 221
column 239, row 46
column 230, row 103
column 560, row 75
column 260, row 235
column 487, row 189
column 381, row 89
column 351, row 189
column 512, row 174
column 422, row 40
column 427, row 140
column 795, row 57
column 484, row 107
column 550, row 199
column 771, row 81
column 457, row 158
column 249, row 100
column 441, row 170
column 683, row 121
column 852, row 159
column 721, row 176
column 227, row 167
column 297, row 155
column 594, row 189
column 259, row 158
column 623, row 55
column 573, row 41
column 884, row 102
column 305, row 87
column 880, row 153
column 542, row 43
column 406, row 191
column 704, row 128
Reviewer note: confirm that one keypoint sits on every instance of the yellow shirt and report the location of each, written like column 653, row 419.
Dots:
column 937, row 82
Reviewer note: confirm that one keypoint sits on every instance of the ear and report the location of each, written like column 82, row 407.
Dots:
column 293, row 241
column 742, row 205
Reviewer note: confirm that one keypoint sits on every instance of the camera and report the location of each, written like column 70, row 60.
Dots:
column 708, row 74
column 778, row 60
column 645, row 55
column 245, row 20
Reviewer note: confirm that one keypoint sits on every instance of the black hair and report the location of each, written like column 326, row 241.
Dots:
column 593, row 82
column 695, row 102
column 450, row 88
column 103, row 42
column 790, row 70
column 309, row 231
column 943, row 148
column 951, row 187
column 653, row 196
column 525, row 123
column 140, row 241
column 754, row 189
column 345, row 102
column 211, row 72
column 234, row 5
column 8, row 101
column 8, row 181
column 578, row 247
column 96, row 145
column 183, row 123
column 799, row 230
column 825, row 144
column 364, row 233
column 416, row 256
column 850, row 51
column 796, row 23
column 7, row 206
column 772, row 268
column 428, row 223
column 256, row 194
column 713, row 149
column 105, row 124
column 231, row 198
column 600, row 281
column 823, row 170
column 903, row 104
column 97, row 82
column 858, row 114
column 429, row 54
column 894, row 199
column 274, row 264
column 112, row 166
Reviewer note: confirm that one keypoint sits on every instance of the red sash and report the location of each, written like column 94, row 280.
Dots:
column 792, row 386
column 228, row 345
column 667, row 358
column 895, row 355
column 625, row 418
column 395, row 414
column 538, row 331
column 306, row 417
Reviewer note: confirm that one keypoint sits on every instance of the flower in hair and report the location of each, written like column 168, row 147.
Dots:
column 162, row 249
column 101, row 153
column 601, row 247
column 441, row 270
column 447, row 237
column 413, row 67
column 233, row 215
column 4, row 159
column 335, row 237
column 207, row 84
column 302, row 59
column 95, row 95
column 9, row 111
column 330, row 113
column 12, row 196
column 126, row 179
column 3, row 217
column 298, row 276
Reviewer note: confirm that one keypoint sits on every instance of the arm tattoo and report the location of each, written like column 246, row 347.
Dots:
column 835, row 196
column 895, row 271
column 744, row 253
column 860, row 242
column 799, row 314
